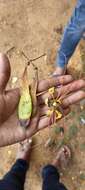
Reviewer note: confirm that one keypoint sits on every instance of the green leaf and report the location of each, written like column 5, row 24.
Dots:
column 60, row 143
column 82, row 146
column 73, row 131
column 82, row 176
column 57, row 130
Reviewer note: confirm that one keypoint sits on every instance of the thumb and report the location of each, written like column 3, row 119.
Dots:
column 11, row 100
column 5, row 71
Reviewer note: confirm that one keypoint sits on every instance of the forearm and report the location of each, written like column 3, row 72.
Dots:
column 72, row 34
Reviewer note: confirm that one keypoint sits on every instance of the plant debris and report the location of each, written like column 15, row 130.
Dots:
column 25, row 103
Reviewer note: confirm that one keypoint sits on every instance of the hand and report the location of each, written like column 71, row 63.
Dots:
column 10, row 131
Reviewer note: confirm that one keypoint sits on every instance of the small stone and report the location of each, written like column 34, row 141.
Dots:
column 80, row 172
column 61, row 174
column 82, row 107
column 9, row 152
column 73, row 178
column 14, row 80
column 83, row 121
column 45, row 57
column 18, row 52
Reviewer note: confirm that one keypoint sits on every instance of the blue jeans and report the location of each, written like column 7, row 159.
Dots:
column 15, row 178
column 73, row 33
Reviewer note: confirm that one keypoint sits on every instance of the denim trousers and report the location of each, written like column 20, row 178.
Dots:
column 74, row 31
column 15, row 178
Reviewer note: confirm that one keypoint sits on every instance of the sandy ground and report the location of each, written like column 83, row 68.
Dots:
column 35, row 27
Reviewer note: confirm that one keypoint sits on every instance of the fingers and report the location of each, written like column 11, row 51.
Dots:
column 74, row 98
column 63, row 90
column 53, row 81
column 72, row 87
column 69, row 100
column 4, row 71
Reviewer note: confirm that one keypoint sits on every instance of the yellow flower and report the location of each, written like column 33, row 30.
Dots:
column 58, row 101
column 51, row 90
column 49, row 112
column 54, row 104
column 46, row 101
column 58, row 115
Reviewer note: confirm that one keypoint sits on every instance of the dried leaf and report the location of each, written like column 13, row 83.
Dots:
column 34, row 92
column 25, row 103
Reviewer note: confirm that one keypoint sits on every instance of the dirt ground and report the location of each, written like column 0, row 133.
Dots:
column 35, row 27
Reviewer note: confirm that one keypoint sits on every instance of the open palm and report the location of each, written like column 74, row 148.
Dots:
column 10, row 131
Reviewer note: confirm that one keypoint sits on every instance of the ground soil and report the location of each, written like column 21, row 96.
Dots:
column 35, row 27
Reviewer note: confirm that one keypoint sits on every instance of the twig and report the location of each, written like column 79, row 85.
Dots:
column 32, row 60
column 41, row 93
column 37, row 145
column 24, row 55
column 10, row 49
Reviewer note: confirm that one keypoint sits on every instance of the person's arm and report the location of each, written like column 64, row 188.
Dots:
column 73, row 33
